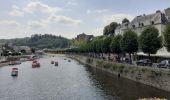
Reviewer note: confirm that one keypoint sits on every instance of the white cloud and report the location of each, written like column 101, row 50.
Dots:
column 88, row 11
column 41, row 7
column 98, row 11
column 9, row 24
column 63, row 20
column 72, row 3
column 12, row 29
column 37, row 24
column 16, row 11
column 101, row 10
column 116, row 18
column 97, row 32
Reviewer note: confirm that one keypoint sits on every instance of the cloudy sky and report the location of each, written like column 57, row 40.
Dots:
column 22, row 18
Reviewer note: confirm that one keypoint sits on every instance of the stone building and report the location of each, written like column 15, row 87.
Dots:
column 158, row 20
column 84, row 37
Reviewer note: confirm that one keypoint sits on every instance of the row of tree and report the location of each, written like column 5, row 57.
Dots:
column 149, row 41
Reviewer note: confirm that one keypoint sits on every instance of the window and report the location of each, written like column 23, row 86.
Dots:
column 133, row 26
column 152, row 22
column 141, row 24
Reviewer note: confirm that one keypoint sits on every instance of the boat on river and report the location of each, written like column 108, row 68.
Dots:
column 14, row 72
column 52, row 62
column 56, row 63
column 35, row 64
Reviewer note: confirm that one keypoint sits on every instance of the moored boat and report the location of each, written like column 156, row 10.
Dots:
column 52, row 62
column 56, row 63
column 35, row 64
column 14, row 72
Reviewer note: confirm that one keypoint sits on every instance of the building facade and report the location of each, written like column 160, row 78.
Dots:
column 139, row 23
column 84, row 37
column 159, row 19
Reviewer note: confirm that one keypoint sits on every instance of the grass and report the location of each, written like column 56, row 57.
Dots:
column 89, row 60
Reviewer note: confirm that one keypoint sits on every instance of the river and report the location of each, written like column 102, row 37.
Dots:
column 69, row 81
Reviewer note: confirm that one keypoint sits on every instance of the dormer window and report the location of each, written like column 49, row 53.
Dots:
column 133, row 26
column 152, row 22
column 126, row 24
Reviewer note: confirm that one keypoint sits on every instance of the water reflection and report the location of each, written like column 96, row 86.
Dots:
column 68, row 81
column 123, row 89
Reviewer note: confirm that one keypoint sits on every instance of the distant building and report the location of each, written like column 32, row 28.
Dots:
column 158, row 20
column 84, row 37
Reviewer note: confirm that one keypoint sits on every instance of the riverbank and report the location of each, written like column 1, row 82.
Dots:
column 159, row 78
column 14, row 60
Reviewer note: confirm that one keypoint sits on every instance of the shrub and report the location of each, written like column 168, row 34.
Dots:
column 99, row 63
column 107, row 65
column 155, row 73
column 89, row 61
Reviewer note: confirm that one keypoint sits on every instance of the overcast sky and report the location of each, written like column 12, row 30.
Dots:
column 22, row 18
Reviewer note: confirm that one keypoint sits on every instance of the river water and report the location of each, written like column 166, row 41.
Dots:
column 69, row 81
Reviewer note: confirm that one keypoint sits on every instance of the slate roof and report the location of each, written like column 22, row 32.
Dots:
column 151, row 19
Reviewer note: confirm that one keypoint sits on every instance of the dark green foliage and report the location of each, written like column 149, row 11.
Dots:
column 40, row 41
column 129, row 42
column 106, row 30
column 167, row 37
column 32, row 50
column 23, row 51
column 150, row 41
column 106, row 44
column 125, row 20
column 115, row 44
column 99, row 43
column 110, row 29
column 89, row 60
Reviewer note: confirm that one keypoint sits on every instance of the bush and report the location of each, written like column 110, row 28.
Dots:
column 99, row 63
column 120, row 68
column 155, row 73
column 89, row 61
column 107, row 65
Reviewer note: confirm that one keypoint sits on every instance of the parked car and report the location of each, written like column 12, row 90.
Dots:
column 125, row 60
column 144, row 62
column 164, row 64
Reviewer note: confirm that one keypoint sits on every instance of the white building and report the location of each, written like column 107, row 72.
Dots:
column 139, row 23
column 158, row 20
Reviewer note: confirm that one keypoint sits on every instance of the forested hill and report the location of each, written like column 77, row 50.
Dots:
column 40, row 41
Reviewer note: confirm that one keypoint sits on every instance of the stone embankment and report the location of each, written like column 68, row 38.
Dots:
column 156, row 77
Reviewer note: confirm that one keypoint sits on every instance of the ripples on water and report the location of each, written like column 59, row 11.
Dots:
column 69, row 81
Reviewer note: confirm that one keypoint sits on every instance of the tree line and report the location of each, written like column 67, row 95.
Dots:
column 149, row 41
column 39, row 41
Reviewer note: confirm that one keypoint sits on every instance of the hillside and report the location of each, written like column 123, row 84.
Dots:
column 40, row 41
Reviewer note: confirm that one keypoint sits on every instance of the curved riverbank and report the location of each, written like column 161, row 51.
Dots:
column 159, row 78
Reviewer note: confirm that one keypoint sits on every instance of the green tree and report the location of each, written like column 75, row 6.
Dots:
column 106, row 44
column 110, row 29
column 106, row 30
column 99, row 45
column 23, row 51
column 167, row 37
column 32, row 50
column 150, row 41
column 129, row 42
column 125, row 20
column 115, row 45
